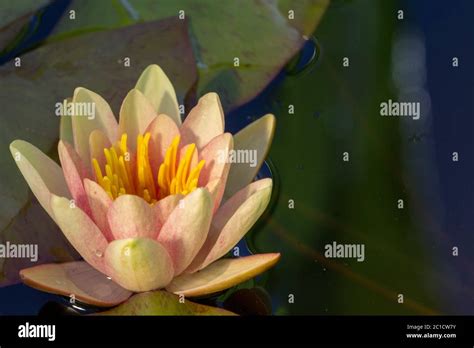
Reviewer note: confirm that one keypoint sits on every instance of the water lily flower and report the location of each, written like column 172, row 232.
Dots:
column 148, row 202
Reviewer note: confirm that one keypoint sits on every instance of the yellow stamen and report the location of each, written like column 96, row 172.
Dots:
column 175, row 176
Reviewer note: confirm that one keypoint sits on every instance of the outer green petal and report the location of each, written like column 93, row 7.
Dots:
column 256, row 136
column 139, row 264
column 162, row 303
column 75, row 278
column 42, row 174
column 82, row 126
column 222, row 275
column 156, row 86
column 232, row 221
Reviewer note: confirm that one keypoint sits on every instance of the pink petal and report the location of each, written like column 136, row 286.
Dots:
column 217, row 166
column 100, row 203
column 162, row 130
column 232, row 221
column 81, row 231
column 185, row 231
column 204, row 122
column 78, row 279
column 163, row 209
column 74, row 173
column 130, row 216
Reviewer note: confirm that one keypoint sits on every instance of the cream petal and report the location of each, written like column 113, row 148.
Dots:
column 98, row 141
column 76, row 278
column 139, row 264
column 131, row 216
column 162, row 130
column 158, row 89
column 82, row 126
column 81, row 231
column 232, row 221
column 136, row 113
column 42, row 174
column 185, row 231
column 215, row 154
column 74, row 173
column 256, row 136
column 222, row 275
column 204, row 122
column 100, row 203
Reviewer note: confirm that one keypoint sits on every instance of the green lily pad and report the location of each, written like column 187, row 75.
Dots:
column 162, row 303
column 48, row 75
column 260, row 34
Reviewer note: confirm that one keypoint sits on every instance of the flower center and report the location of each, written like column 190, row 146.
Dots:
column 122, row 176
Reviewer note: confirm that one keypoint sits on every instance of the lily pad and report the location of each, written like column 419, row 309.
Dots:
column 162, row 303
column 48, row 75
column 262, row 35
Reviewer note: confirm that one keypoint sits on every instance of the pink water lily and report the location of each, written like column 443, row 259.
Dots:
column 149, row 203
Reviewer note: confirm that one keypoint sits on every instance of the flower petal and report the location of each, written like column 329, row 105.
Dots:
column 65, row 127
column 162, row 130
column 74, row 173
column 136, row 113
column 81, row 232
column 163, row 209
column 100, row 203
column 130, row 216
column 204, row 122
column 82, row 126
column 139, row 264
column 222, row 275
column 76, row 278
column 156, row 86
column 256, row 136
column 98, row 141
column 215, row 153
column 232, row 221
column 185, row 231
column 42, row 174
